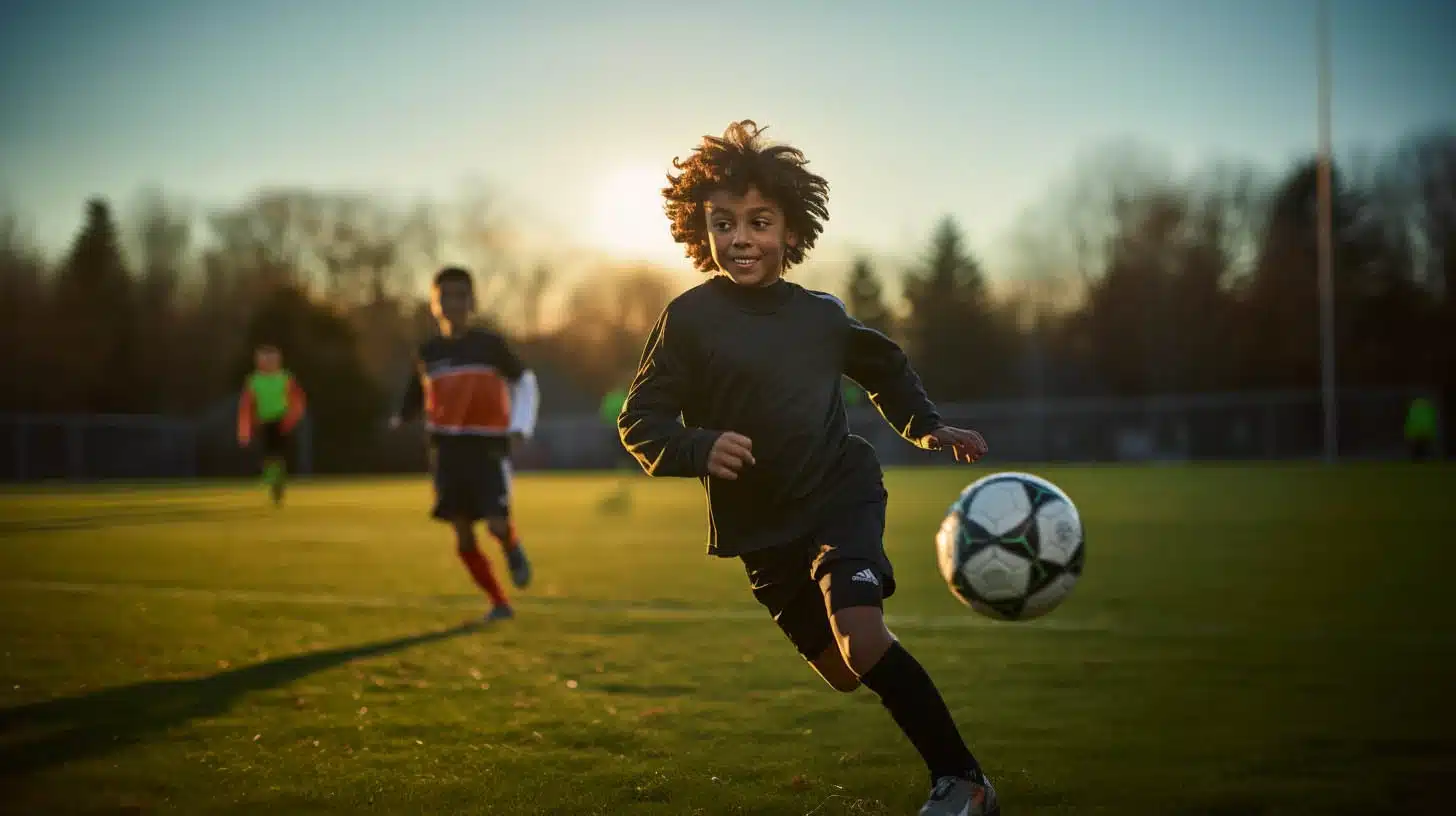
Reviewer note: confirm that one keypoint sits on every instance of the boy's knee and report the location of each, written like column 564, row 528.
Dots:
column 465, row 541
column 831, row 666
column 500, row 528
column 862, row 637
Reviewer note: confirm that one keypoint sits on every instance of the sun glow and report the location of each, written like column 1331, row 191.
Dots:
column 627, row 217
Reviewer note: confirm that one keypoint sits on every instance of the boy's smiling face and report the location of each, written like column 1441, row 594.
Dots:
column 747, row 235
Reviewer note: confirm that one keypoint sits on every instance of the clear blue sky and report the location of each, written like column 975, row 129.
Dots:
column 912, row 110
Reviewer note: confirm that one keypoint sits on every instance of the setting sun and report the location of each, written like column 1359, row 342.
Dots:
column 627, row 217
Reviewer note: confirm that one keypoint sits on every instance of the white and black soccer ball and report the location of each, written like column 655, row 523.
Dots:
column 1011, row 546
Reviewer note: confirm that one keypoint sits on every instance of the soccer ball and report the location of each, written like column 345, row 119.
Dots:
column 1010, row 546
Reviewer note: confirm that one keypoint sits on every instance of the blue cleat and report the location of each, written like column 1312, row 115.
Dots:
column 520, row 567
column 499, row 613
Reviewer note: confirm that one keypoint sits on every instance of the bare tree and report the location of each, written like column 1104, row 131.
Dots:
column 157, row 235
column 24, row 318
column 607, row 317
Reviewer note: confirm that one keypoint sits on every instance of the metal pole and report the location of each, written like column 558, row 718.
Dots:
column 1326, row 239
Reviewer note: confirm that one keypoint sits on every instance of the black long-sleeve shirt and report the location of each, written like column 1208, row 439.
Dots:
column 767, row 363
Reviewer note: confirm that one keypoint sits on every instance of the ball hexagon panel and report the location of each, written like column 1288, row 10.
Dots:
column 997, row 574
column 1058, row 532
column 998, row 507
column 1048, row 597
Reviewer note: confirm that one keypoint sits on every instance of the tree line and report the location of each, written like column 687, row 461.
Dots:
column 1130, row 279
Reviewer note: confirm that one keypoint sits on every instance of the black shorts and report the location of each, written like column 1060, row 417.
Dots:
column 470, row 485
column 842, row 563
column 1420, row 449
column 272, row 440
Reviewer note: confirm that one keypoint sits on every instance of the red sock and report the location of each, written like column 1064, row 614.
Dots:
column 484, row 576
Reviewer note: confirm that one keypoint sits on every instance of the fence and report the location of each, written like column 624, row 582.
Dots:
column 1257, row 426
column 98, row 447
column 1203, row 427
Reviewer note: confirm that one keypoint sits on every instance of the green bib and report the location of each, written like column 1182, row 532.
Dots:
column 612, row 405
column 1421, row 422
column 270, row 394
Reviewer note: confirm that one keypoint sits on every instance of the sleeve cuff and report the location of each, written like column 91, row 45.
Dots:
column 702, row 448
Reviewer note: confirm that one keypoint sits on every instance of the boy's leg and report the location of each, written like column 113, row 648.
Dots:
column 619, row 500
column 274, row 459
column 477, row 564
column 855, row 576
column 457, row 502
column 496, row 496
column 781, row 581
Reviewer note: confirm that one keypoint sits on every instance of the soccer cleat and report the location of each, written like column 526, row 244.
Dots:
column 520, row 567
column 956, row 796
column 499, row 613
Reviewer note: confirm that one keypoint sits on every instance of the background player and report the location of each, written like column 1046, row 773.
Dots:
column 272, row 403
column 476, row 397
column 753, row 365
column 620, row 499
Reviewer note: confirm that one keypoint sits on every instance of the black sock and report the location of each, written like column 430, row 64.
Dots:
column 914, row 702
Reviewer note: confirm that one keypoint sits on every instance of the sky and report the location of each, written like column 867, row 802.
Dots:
column 572, row 111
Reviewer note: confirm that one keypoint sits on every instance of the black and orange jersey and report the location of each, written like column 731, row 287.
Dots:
column 469, row 386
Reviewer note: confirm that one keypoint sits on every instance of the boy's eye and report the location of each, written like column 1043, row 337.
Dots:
column 722, row 225
column 761, row 223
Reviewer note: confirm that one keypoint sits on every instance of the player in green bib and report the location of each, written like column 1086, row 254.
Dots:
column 612, row 406
column 620, row 499
column 270, row 408
column 1422, row 424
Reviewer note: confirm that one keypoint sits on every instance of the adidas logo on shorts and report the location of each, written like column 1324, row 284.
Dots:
column 866, row 576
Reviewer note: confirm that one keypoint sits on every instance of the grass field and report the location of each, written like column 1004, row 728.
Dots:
column 1252, row 640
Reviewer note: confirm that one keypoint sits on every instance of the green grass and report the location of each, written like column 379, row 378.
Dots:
column 1244, row 641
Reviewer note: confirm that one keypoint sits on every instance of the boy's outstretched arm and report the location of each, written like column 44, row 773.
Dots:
column 413, row 401
column 247, row 411
column 649, row 425
column 879, row 365
column 297, row 404
column 525, row 393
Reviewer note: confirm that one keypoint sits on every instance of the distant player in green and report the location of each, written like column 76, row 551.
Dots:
column 270, row 408
column 620, row 500
column 612, row 404
column 1420, row 429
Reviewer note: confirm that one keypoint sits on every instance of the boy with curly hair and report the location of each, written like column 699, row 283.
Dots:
column 739, row 386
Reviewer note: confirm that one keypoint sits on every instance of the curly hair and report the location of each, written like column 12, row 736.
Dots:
column 741, row 159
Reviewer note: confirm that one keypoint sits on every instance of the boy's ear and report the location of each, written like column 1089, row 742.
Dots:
column 791, row 239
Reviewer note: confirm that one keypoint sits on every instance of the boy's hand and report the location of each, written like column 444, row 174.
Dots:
column 967, row 446
column 730, row 453
column 244, row 438
column 395, row 422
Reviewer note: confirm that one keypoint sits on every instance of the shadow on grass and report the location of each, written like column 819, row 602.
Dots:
column 40, row 735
